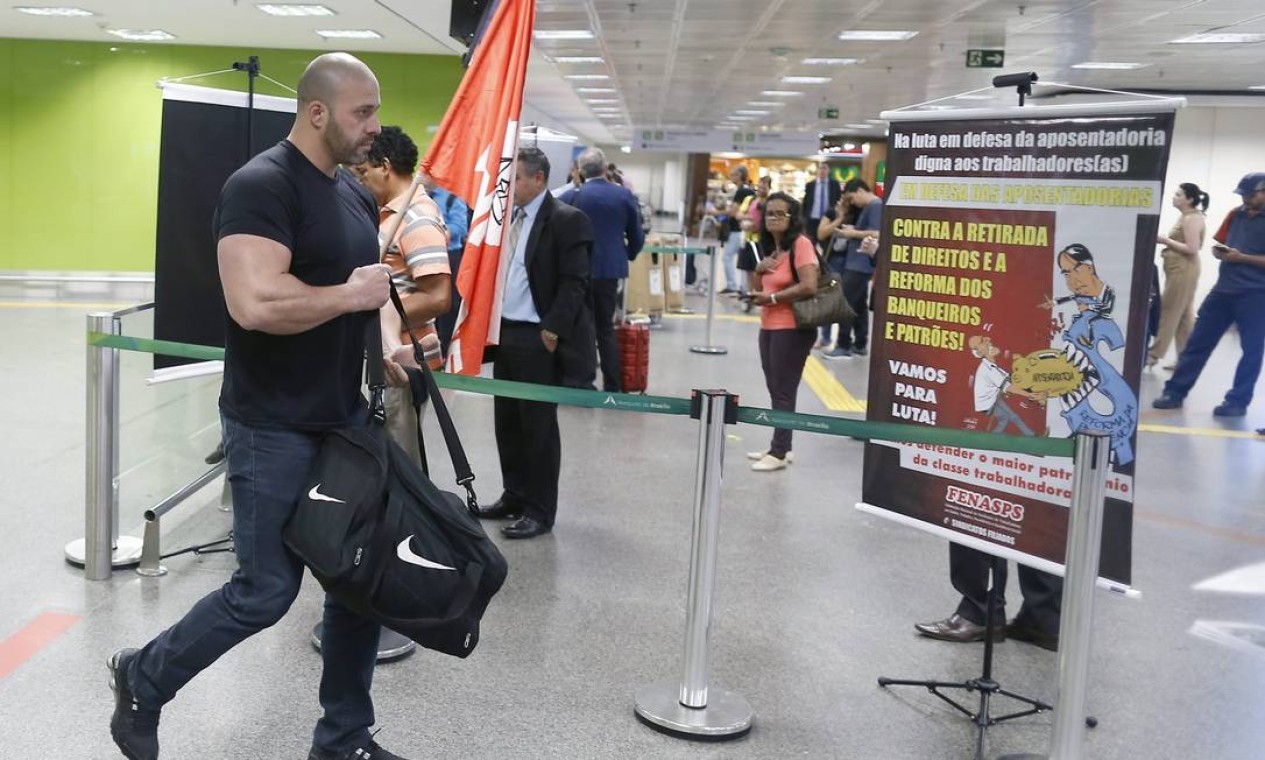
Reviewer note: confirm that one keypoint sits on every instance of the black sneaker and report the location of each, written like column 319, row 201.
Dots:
column 370, row 752
column 1228, row 409
column 135, row 729
column 859, row 351
column 1167, row 401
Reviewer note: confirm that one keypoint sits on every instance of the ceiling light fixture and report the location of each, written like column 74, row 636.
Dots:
column 578, row 59
column 781, row 93
column 563, row 34
column 349, row 34
column 805, row 80
column 777, row 103
column 58, row 11
column 142, row 35
column 601, row 101
column 753, row 113
column 860, row 126
column 972, row 97
column 587, row 77
column 595, row 89
column 1109, row 66
column 830, row 61
column 1218, row 38
column 273, row 9
column 1257, row 87
column 858, row 35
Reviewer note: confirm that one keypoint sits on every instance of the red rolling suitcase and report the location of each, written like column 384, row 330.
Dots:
column 634, row 356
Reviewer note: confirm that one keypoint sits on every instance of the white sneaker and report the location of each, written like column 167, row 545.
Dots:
column 756, row 456
column 769, row 463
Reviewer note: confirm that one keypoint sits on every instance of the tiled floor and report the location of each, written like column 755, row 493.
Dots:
column 814, row 600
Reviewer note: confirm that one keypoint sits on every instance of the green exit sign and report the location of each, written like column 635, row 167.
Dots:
column 827, row 113
column 985, row 59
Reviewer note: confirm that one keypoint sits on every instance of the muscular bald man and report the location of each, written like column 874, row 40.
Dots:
column 298, row 258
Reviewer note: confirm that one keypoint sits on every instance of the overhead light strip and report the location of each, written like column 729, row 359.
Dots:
column 60, row 11
column 349, row 34
column 861, row 35
column 283, row 9
column 142, row 35
column 1218, row 38
column 563, row 34
column 1109, row 65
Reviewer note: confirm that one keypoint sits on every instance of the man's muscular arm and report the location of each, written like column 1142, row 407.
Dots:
column 261, row 294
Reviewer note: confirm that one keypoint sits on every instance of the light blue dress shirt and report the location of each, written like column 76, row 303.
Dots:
column 516, row 303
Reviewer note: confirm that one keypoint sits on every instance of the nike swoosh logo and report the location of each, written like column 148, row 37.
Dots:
column 316, row 495
column 406, row 553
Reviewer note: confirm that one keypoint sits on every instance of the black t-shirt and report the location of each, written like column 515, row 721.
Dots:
column 740, row 195
column 310, row 380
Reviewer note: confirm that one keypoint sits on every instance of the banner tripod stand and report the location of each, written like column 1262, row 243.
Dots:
column 985, row 684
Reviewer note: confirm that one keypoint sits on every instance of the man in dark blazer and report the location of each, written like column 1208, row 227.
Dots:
column 617, row 239
column 820, row 195
column 546, row 338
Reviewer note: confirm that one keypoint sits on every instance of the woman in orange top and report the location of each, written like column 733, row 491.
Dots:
column 784, row 347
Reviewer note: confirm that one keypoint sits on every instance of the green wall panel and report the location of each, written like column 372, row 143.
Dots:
column 79, row 136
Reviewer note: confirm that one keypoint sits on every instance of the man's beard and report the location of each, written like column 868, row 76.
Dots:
column 341, row 148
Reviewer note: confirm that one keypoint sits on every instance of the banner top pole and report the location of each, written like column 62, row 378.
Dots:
column 1110, row 108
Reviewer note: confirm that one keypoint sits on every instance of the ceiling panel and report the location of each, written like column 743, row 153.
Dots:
column 693, row 62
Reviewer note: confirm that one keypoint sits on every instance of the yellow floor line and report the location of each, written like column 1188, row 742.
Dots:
column 748, row 318
column 829, row 389
column 1205, row 432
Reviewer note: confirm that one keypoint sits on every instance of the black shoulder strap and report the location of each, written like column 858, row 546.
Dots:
column 375, row 376
column 417, row 387
column 460, row 465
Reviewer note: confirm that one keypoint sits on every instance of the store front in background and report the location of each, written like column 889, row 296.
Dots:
column 712, row 188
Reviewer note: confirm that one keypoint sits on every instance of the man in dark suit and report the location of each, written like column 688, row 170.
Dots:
column 617, row 239
column 820, row 196
column 546, row 338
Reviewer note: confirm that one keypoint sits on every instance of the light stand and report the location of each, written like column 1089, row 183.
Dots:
column 251, row 67
column 985, row 684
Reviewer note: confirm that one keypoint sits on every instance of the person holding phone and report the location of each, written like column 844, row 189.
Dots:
column 773, row 285
column 1237, row 299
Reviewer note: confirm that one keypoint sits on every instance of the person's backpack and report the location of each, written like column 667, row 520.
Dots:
column 385, row 541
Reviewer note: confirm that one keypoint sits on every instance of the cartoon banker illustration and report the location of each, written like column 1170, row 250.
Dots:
column 1090, row 328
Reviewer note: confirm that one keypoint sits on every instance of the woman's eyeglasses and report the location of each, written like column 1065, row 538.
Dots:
column 778, row 215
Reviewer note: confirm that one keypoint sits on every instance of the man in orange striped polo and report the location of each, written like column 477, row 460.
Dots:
column 418, row 257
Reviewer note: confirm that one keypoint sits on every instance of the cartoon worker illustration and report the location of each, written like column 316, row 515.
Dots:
column 1090, row 328
column 992, row 386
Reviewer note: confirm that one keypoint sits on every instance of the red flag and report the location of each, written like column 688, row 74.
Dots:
column 473, row 156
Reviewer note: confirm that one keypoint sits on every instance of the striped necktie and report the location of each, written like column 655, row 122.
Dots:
column 516, row 229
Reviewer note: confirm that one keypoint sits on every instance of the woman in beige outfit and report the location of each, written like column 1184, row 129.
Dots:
column 1181, row 272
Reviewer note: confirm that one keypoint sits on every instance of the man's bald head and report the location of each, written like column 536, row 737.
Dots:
column 325, row 77
column 337, row 118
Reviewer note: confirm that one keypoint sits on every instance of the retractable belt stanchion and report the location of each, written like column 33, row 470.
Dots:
column 102, row 549
column 689, row 708
column 709, row 347
column 1084, row 547
column 151, row 549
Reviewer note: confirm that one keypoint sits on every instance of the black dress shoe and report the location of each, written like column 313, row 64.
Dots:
column 501, row 510
column 1018, row 630
column 957, row 628
column 525, row 527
